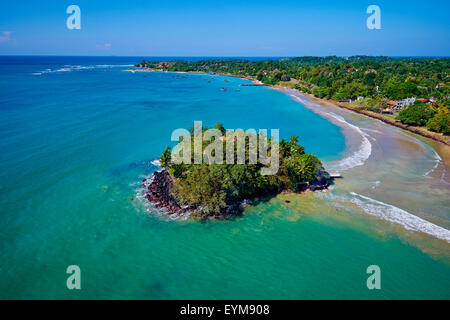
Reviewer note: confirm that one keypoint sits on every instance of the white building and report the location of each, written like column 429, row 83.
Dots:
column 405, row 102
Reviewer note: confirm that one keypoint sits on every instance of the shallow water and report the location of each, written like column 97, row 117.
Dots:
column 78, row 135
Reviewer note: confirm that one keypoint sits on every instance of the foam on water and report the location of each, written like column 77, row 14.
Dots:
column 113, row 65
column 70, row 68
column 140, row 194
column 364, row 151
column 372, row 130
column 374, row 207
column 359, row 157
column 438, row 159
column 156, row 163
column 399, row 216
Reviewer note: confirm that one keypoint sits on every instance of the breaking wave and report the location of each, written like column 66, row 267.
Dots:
column 359, row 157
column 71, row 68
column 156, row 163
column 396, row 215
column 438, row 159
column 140, row 196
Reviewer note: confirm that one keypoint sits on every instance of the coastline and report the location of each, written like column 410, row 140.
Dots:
column 387, row 203
column 439, row 137
column 439, row 142
column 361, row 193
column 84, row 184
column 422, row 131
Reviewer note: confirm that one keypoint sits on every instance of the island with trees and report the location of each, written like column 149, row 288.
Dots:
column 219, row 190
column 407, row 92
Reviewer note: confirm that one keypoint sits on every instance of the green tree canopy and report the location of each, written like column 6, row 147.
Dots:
column 211, row 187
column 440, row 123
column 417, row 114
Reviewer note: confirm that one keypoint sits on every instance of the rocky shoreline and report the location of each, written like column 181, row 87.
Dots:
column 157, row 190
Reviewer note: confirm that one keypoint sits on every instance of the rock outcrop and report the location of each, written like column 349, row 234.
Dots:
column 158, row 192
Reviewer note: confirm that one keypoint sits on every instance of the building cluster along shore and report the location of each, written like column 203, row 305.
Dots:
column 445, row 139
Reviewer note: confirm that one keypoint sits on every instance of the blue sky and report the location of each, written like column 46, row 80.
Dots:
column 225, row 28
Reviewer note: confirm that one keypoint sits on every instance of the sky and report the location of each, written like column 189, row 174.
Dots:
column 225, row 28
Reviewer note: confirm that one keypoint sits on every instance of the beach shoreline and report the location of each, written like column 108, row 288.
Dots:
column 372, row 199
column 355, row 192
column 439, row 142
column 439, row 137
column 442, row 147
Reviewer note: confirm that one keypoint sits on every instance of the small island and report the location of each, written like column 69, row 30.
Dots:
column 219, row 190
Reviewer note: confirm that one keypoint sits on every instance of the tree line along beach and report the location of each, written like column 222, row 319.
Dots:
column 415, row 89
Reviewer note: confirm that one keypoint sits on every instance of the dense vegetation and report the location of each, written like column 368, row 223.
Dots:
column 211, row 187
column 440, row 123
column 377, row 79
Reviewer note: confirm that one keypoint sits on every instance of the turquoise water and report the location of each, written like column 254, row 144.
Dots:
column 78, row 134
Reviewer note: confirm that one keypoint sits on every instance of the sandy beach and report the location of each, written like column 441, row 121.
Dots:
column 438, row 141
column 414, row 129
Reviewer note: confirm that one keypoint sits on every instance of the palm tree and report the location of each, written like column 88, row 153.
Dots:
column 165, row 158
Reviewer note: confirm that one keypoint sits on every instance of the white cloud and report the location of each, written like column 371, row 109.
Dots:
column 103, row 46
column 5, row 36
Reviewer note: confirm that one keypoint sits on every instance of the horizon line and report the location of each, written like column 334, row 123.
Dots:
column 230, row 56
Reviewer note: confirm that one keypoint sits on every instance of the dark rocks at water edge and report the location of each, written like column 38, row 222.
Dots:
column 159, row 186
column 157, row 191
column 323, row 181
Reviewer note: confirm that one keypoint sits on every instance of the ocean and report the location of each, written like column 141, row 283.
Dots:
column 78, row 134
